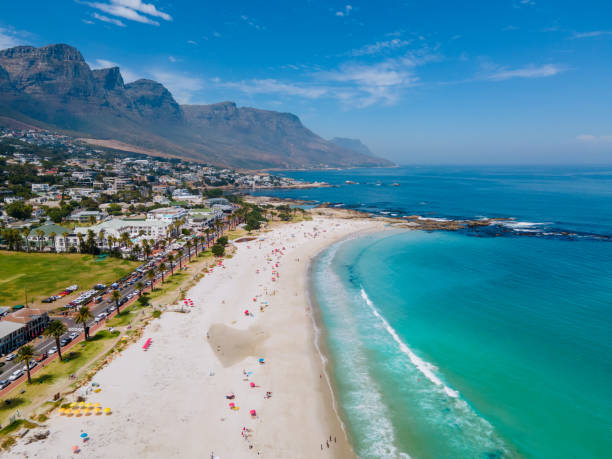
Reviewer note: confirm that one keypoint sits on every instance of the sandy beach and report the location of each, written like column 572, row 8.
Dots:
column 171, row 400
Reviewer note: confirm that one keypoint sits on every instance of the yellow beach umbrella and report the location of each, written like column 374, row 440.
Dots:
column 97, row 390
column 77, row 412
column 107, row 410
column 68, row 412
column 81, row 404
column 98, row 410
column 96, row 405
column 89, row 405
column 60, row 411
column 73, row 404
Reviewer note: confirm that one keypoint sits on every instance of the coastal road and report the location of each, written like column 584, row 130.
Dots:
column 43, row 344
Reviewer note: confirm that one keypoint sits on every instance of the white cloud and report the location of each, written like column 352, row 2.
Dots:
column 345, row 12
column 183, row 87
column 192, row 42
column 380, row 46
column 133, row 10
column 594, row 33
column 251, row 22
column 87, row 21
column 525, row 72
column 172, row 59
column 594, row 139
column 101, row 17
column 272, row 86
column 8, row 39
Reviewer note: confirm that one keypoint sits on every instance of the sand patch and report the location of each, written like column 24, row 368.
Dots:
column 232, row 346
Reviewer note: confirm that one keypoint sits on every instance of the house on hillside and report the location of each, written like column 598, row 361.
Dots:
column 50, row 237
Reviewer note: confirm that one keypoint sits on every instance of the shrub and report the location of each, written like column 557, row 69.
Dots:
column 218, row 250
column 156, row 314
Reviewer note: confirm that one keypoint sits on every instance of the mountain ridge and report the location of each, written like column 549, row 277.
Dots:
column 53, row 87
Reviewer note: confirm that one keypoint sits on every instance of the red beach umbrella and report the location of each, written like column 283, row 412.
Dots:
column 252, row 384
column 232, row 405
column 253, row 413
column 246, row 312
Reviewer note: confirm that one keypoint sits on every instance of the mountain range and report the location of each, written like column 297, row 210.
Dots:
column 53, row 87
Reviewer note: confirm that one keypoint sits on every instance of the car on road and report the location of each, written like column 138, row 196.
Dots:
column 64, row 341
column 4, row 383
column 41, row 357
column 111, row 309
column 99, row 287
column 136, row 292
column 15, row 375
column 52, row 351
column 10, row 357
column 33, row 363
column 73, row 335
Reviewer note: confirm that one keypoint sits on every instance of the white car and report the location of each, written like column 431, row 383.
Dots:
column 10, row 357
column 74, row 335
column 52, row 351
column 15, row 375
column 33, row 363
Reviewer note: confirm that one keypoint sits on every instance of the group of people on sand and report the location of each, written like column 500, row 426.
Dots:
column 328, row 442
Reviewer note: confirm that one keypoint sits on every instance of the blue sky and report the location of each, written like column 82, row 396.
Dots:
column 504, row 81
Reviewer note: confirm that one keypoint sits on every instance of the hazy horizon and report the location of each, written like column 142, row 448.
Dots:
column 518, row 82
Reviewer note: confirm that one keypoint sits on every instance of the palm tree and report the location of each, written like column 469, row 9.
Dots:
column 52, row 236
column 25, row 354
column 151, row 277
column 180, row 258
column 65, row 238
column 125, row 239
column 116, row 296
column 80, row 236
column 40, row 234
column 147, row 250
column 82, row 317
column 189, row 244
column 162, row 269
column 207, row 231
column 140, row 286
column 110, row 239
column 171, row 261
column 56, row 328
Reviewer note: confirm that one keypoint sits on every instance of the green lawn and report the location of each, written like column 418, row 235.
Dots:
column 45, row 274
column 78, row 357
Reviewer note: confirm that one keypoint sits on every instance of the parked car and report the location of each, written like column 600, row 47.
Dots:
column 99, row 287
column 52, row 351
column 10, row 357
column 33, row 363
column 15, row 375
column 64, row 341
column 47, row 300
column 41, row 357
column 73, row 335
column 4, row 383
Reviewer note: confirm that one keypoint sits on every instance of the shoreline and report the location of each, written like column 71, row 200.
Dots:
column 169, row 379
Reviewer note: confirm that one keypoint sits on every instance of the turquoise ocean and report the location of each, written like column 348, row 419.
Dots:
column 490, row 343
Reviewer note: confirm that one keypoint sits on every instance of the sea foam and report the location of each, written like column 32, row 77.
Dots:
column 426, row 368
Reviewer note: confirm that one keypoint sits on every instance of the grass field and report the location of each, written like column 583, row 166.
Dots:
column 45, row 274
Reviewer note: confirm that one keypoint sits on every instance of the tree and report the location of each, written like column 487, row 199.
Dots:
column 151, row 276
column 189, row 244
column 213, row 193
column 19, row 210
column 180, row 258
column 222, row 240
column 218, row 250
column 82, row 317
column 40, row 234
column 56, row 328
column 52, row 236
column 171, row 261
column 25, row 354
column 140, row 286
column 116, row 296
column 162, row 270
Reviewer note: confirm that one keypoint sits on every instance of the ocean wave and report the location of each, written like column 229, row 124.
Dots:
column 426, row 368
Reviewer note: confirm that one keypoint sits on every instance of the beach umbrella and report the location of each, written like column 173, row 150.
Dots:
column 261, row 360
column 98, row 410
column 96, row 405
column 252, row 384
column 107, row 410
column 73, row 404
column 75, row 449
column 246, row 312
column 253, row 413
column 88, row 405
column 77, row 412
column 83, row 435
column 61, row 411
column 232, row 405
column 81, row 404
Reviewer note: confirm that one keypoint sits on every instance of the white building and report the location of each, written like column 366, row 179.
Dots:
column 150, row 229
column 169, row 214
